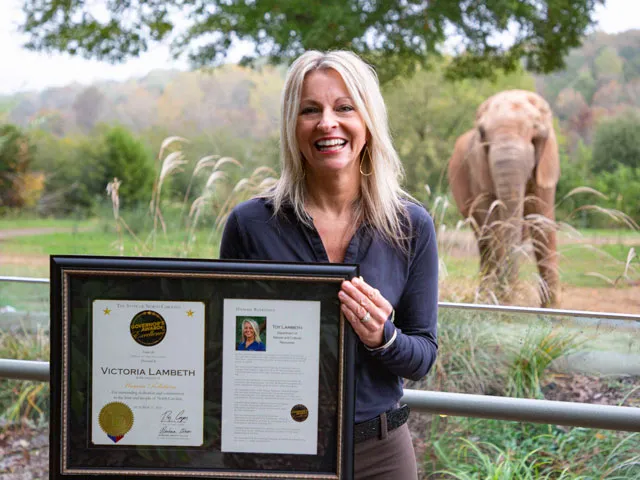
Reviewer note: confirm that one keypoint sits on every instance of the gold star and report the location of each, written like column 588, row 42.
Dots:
column 107, row 311
column 190, row 313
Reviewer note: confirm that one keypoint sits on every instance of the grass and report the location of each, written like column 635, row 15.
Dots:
column 24, row 297
column 533, row 357
column 19, row 222
column 477, row 356
column 469, row 355
column 102, row 241
column 581, row 264
column 493, row 449
column 24, row 401
column 107, row 242
column 596, row 266
column 595, row 233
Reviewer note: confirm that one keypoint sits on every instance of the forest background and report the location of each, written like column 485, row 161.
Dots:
column 73, row 140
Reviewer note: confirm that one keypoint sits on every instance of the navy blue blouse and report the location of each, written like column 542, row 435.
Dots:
column 410, row 284
column 255, row 347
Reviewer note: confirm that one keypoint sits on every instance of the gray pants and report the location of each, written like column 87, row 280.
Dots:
column 390, row 457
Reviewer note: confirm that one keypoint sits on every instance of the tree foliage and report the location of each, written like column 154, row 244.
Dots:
column 124, row 156
column 183, row 103
column 601, row 81
column 16, row 154
column 616, row 143
column 395, row 35
column 78, row 169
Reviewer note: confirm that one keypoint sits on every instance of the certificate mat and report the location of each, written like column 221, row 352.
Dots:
column 139, row 361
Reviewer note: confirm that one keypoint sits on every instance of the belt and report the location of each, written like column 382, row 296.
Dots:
column 372, row 428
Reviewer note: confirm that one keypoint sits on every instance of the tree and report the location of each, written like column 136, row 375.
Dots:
column 608, row 65
column 622, row 187
column 125, row 157
column 616, row 143
column 395, row 35
column 78, row 169
column 16, row 153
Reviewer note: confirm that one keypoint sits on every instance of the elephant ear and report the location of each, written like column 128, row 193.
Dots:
column 458, row 172
column 546, row 152
column 545, row 144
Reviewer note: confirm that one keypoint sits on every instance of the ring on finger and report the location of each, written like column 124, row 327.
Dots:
column 366, row 318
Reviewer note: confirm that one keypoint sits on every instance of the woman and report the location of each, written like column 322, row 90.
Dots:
column 339, row 200
column 251, row 337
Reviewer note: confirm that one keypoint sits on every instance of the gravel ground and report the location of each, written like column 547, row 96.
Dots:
column 24, row 454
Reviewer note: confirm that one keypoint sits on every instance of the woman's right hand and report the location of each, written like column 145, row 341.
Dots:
column 366, row 309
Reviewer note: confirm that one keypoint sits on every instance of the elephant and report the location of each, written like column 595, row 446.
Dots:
column 503, row 175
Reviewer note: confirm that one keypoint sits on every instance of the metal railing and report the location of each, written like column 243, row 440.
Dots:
column 457, row 404
column 444, row 403
column 23, row 279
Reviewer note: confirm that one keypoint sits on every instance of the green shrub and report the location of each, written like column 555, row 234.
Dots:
column 622, row 187
column 616, row 142
column 530, row 362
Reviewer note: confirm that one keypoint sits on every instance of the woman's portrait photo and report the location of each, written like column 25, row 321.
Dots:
column 250, row 334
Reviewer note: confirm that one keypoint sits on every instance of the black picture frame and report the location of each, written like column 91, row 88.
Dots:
column 77, row 281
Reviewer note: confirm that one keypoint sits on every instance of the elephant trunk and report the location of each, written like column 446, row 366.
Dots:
column 509, row 179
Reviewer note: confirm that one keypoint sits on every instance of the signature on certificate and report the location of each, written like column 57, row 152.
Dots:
column 169, row 417
column 168, row 430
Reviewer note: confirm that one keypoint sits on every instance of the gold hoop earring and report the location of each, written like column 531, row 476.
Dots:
column 302, row 167
column 366, row 150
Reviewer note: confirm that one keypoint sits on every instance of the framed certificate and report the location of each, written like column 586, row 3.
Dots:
column 174, row 368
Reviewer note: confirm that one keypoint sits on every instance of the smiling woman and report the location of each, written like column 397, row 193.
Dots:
column 339, row 200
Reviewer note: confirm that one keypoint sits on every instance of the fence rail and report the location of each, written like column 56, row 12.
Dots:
column 443, row 403
column 23, row 279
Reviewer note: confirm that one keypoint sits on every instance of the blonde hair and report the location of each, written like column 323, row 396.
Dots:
column 255, row 328
column 380, row 205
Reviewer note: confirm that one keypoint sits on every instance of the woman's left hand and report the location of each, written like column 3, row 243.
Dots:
column 366, row 309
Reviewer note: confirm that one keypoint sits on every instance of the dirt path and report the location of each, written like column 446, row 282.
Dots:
column 26, row 232
column 18, row 259
column 31, row 259
column 615, row 300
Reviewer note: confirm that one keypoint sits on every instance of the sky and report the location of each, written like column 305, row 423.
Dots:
column 22, row 70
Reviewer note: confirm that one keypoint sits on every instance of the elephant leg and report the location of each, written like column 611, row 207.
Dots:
column 544, row 239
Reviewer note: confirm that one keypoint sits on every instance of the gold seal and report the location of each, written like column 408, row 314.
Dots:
column 115, row 419
column 148, row 328
column 299, row 413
